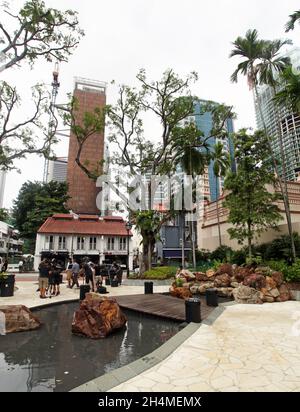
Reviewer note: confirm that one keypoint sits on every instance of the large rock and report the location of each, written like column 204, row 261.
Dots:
column 241, row 272
column 98, row 316
column 270, row 283
column 200, row 276
column 225, row 292
column 278, row 278
column 207, row 285
column 225, row 268
column 284, row 293
column 182, row 293
column 245, row 294
column 210, row 273
column 255, row 281
column 18, row 318
column 194, row 289
column 222, row 281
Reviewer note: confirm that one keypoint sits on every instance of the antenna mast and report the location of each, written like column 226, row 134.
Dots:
column 55, row 86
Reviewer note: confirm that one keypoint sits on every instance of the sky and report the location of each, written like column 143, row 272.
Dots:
column 122, row 36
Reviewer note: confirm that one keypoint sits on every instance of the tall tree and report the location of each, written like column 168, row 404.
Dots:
column 260, row 66
column 250, row 202
column 221, row 164
column 293, row 18
column 170, row 101
column 35, row 31
column 289, row 93
column 35, row 203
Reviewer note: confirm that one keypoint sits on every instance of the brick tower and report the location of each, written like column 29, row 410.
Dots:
column 82, row 190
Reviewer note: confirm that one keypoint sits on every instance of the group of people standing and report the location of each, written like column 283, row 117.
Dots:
column 91, row 272
column 50, row 275
column 49, row 278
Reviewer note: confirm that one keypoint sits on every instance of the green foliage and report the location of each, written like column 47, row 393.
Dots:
column 179, row 282
column 4, row 215
column 35, row 203
column 250, row 203
column 162, row 272
column 279, row 248
column 291, row 273
column 222, row 253
column 38, row 31
column 239, row 256
column 289, row 94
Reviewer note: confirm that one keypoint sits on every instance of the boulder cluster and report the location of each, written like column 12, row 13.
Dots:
column 246, row 284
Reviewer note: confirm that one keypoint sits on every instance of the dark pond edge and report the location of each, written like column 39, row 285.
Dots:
column 118, row 376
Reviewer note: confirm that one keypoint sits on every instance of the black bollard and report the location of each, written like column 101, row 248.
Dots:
column 211, row 297
column 193, row 310
column 148, row 288
column 107, row 282
column 83, row 290
column 114, row 283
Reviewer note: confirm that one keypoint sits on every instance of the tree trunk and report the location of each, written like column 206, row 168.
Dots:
column 192, row 236
column 249, row 241
column 218, row 215
column 283, row 165
column 182, row 239
column 282, row 190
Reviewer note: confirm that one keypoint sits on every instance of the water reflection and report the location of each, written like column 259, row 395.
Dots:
column 52, row 359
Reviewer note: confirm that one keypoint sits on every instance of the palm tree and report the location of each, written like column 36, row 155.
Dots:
column 293, row 18
column 192, row 162
column 290, row 94
column 261, row 65
column 221, row 163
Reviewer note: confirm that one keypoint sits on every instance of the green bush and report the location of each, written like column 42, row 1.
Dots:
column 239, row 257
column 161, row 272
column 222, row 253
column 279, row 248
column 291, row 273
column 179, row 282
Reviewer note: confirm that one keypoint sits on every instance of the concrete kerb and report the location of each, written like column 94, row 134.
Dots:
column 108, row 381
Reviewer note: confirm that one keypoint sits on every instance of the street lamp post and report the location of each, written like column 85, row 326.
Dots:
column 128, row 228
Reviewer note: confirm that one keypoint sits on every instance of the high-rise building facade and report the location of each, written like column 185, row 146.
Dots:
column 281, row 121
column 82, row 190
column 57, row 170
column 204, row 122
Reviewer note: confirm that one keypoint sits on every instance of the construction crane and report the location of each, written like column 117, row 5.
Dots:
column 55, row 86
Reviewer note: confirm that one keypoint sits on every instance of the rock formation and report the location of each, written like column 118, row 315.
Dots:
column 98, row 316
column 18, row 318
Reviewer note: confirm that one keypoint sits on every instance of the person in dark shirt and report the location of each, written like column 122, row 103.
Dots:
column 44, row 269
column 89, row 276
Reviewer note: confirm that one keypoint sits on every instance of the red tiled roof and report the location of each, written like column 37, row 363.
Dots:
column 62, row 224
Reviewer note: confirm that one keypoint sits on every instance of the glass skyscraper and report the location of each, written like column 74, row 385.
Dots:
column 284, row 122
column 204, row 122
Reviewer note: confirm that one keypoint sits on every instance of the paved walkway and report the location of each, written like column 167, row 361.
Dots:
column 247, row 348
column 27, row 295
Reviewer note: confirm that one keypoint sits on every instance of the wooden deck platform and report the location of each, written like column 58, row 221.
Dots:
column 160, row 305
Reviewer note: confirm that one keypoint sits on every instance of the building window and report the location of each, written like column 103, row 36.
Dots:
column 93, row 243
column 111, row 243
column 49, row 244
column 80, row 243
column 62, row 242
column 122, row 243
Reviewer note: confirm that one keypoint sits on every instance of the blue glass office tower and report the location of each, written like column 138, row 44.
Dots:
column 204, row 122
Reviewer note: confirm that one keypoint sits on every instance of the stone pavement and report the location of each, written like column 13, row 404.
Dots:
column 247, row 348
column 27, row 295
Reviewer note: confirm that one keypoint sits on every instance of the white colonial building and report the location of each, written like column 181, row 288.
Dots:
column 102, row 239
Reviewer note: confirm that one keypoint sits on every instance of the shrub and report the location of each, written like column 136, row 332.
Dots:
column 179, row 282
column 279, row 248
column 161, row 272
column 291, row 273
column 239, row 257
column 202, row 255
column 222, row 253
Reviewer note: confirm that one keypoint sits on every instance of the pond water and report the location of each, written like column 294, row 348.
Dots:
column 52, row 359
